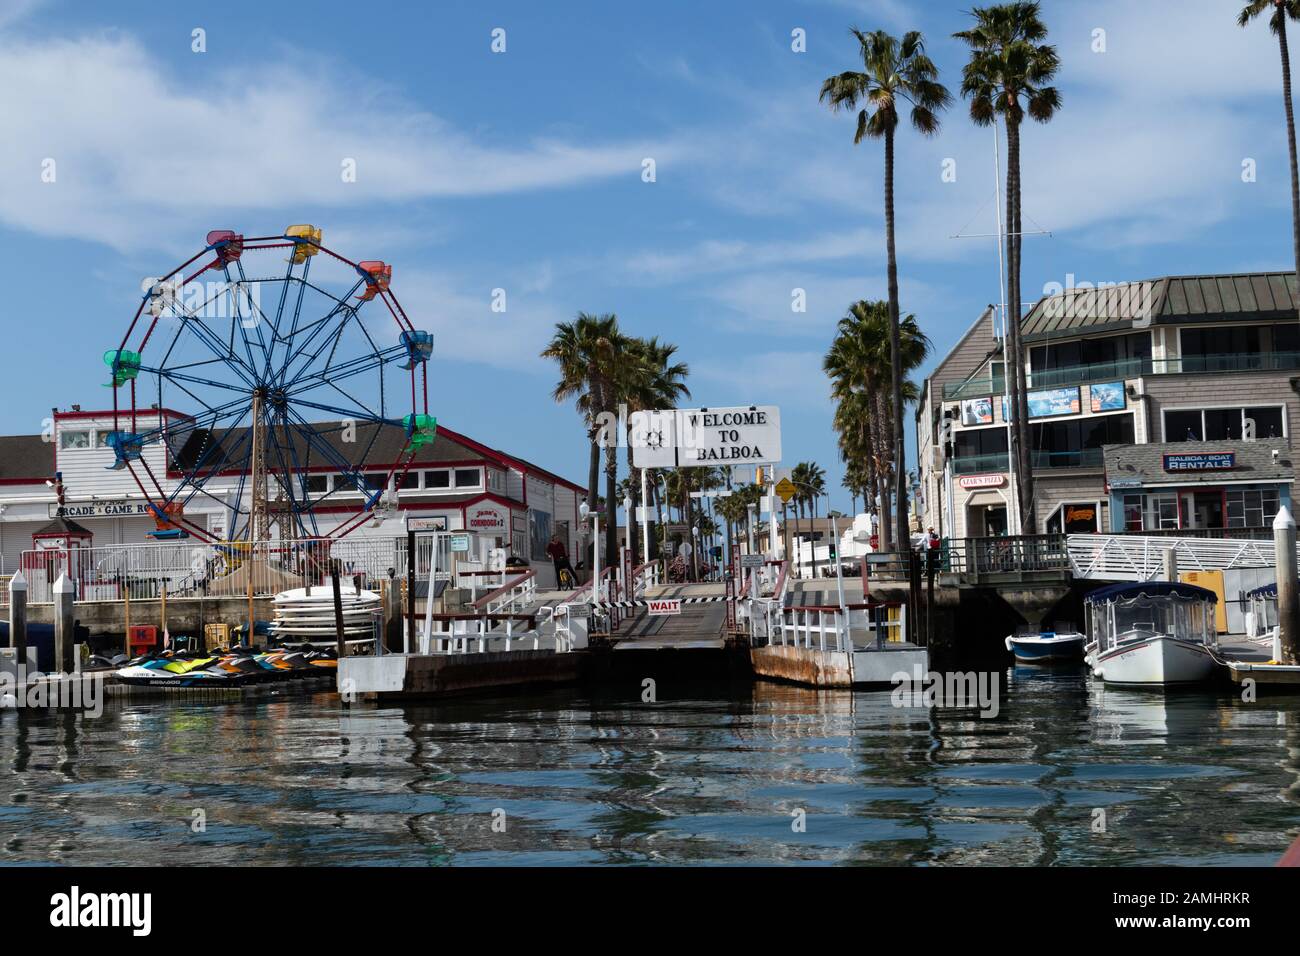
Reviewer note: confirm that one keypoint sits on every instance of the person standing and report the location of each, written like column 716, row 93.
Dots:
column 559, row 555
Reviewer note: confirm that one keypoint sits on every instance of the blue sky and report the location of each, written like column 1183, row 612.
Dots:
column 522, row 171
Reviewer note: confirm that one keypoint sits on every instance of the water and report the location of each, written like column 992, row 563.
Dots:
column 716, row 776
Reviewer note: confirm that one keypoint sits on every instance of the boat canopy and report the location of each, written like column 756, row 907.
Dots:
column 1268, row 590
column 1127, row 592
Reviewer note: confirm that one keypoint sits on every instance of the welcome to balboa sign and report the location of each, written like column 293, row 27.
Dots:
column 687, row 437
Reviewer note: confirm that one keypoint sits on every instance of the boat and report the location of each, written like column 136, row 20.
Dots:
column 1154, row 633
column 1046, row 647
column 1261, row 619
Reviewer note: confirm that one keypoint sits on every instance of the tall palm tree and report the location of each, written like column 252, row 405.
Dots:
column 588, row 351
column 1007, row 74
column 1282, row 11
column 896, row 74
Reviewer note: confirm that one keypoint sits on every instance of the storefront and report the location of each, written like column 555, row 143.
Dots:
column 1197, row 485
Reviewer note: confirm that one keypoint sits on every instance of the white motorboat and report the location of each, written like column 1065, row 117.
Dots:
column 1032, row 646
column 1155, row 633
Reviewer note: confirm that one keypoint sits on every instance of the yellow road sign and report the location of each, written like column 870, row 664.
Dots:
column 785, row 488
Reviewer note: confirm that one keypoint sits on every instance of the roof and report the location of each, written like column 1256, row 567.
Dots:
column 374, row 446
column 61, row 526
column 1252, row 461
column 1171, row 300
column 25, row 457
column 1118, row 592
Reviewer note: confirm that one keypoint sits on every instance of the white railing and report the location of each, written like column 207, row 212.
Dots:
column 456, row 636
column 831, row 628
column 510, row 595
column 191, row 569
column 1123, row 557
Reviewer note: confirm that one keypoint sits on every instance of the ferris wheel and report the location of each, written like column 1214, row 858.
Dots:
column 273, row 378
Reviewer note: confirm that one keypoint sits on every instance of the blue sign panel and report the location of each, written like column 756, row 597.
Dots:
column 1213, row 461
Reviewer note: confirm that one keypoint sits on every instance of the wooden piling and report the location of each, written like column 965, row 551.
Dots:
column 1171, row 565
column 1288, row 592
column 18, row 616
column 408, row 644
column 64, row 623
column 340, row 641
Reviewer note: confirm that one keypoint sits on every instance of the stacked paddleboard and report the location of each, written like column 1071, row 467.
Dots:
column 310, row 617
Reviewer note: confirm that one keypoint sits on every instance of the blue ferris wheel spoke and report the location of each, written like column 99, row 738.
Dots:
column 176, row 377
column 241, row 288
column 313, row 329
column 279, row 314
column 196, row 479
column 361, row 415
column 285, row 481
column 302, row 468
column 211, row 341
column 341, row 463
column 356, row 366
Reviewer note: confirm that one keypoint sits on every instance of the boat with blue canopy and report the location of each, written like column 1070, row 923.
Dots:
column 1152, row 632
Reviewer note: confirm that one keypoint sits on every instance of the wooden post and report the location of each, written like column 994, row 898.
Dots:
column 340, row 641
column 1171, row 563
column 251, row 564
column 393, row 608
column 18, row 617
column 126, row 609
column 64, row 623
column 1288, row 591
column 163, row 610
column 408, row 641
column 931, row 562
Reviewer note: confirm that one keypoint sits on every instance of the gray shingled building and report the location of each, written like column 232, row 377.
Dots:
column 1117, row 377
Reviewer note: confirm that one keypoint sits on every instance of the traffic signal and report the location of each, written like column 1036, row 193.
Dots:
column 717, row 551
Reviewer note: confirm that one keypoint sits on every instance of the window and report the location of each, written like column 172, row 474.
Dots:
column 1108, row 351
column 1251, row 507
column 539, row 533
column 1074, row 518
column 1212, row 343
column 468, row 477
column 1161, row 512
column 409, row 481
column 1132, row 512
column 101, row 437
column 74, row 440
column 1077, row 442
column 437, row 479
column 1223, row 424
column 316, row 484
column 975, row 442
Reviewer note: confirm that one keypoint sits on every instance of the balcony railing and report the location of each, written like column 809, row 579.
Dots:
column 1041, row 461
column 1128, row 369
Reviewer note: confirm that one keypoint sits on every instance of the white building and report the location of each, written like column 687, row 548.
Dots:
column 453, row 483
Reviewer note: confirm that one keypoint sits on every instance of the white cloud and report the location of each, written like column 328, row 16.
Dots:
column 135, row 147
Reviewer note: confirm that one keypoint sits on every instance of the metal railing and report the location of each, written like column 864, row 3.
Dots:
column 830, row 627
column 1019, row 555
column 143, row 572
column 1128, row 369
column 1127, row 557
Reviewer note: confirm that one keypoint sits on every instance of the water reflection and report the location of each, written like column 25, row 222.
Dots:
column 713, row 775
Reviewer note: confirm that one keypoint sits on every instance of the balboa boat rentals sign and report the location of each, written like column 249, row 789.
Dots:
column 703, row 437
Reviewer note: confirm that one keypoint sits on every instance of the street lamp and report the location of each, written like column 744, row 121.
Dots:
column 585, row 511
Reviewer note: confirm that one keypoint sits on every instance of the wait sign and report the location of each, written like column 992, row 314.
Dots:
column 665, row 607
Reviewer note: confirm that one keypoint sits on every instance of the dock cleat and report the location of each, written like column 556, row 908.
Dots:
column 419, row 346
column 306, row 240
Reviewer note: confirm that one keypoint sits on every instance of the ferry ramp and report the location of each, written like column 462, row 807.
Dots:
column 699, row 626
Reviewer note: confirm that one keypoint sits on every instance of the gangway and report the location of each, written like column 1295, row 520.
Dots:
column 1128, row 557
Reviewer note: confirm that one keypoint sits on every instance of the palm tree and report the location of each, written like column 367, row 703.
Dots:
column 857, row 363
column 652, row 381
column 896, row 74
column 588, row 351
column 1007, row 74
column 1282, row 11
